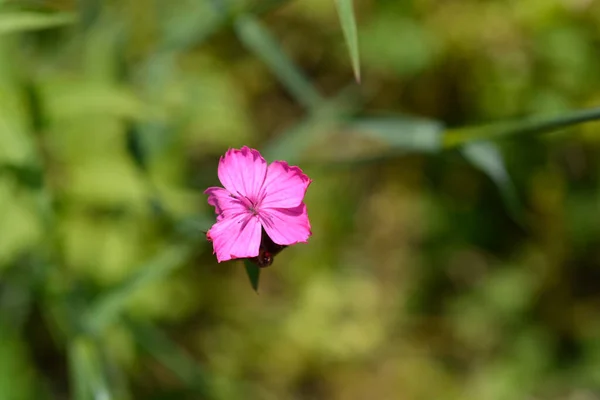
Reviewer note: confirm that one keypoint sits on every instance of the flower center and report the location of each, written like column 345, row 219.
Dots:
column 250, row 205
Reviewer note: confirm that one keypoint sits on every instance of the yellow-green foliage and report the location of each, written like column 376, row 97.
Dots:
column 439, row 267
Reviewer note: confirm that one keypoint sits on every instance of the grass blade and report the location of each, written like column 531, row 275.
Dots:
column 21, row 21
column 348, row 21
column 88, row 381
column 260, row 41
column 531, row 126
column 364, row 139
column 402, row 133
column 487, row 157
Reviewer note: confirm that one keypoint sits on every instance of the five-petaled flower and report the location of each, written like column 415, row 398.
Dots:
column 256, row 197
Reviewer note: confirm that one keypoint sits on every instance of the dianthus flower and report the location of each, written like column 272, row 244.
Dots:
column 260, row 210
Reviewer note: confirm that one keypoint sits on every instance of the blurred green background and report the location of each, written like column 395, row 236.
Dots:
column 440, row 267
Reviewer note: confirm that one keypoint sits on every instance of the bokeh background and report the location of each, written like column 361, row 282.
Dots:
column 438, row 268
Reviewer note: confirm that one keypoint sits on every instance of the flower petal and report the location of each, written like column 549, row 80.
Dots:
column 243, row 172
column 286, row 226
column 284, row 187
column 236, row 237
column 224, row 203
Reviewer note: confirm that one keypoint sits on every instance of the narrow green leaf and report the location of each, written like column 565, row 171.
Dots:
column 259, row 40
column 110, row 305
column 374, row 139
column 487, row 157
column 402, row 133
column 21, row 21
column 253, row 272
column 87, row 375
column 530, row 126
column 348, row 21
column 78, row 377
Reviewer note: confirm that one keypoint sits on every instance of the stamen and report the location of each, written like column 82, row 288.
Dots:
column 266, row 219
column 248, row 203
column 263, row 194
column 244, row 223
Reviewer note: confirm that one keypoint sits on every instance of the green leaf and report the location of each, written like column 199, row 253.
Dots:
column 86, row 371
column 253, row 272
column 112, row 303
column 348, row 21
column 402, row 133
column 487, row 157
column 21, row 21
column 259, row 40
column 529, row 126
column 368, row 140
column 78, row 373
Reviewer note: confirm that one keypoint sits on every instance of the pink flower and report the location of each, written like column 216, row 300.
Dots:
column 256, row 197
